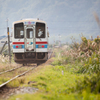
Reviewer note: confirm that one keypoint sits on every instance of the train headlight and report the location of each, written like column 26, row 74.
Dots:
column 19, row 46
column 40, row 46
column 16, row 46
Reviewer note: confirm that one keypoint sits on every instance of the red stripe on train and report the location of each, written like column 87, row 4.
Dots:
column 36, row 42
column 41, row 42
column 18, row 42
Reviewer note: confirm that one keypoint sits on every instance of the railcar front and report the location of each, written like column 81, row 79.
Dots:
column 30, row 41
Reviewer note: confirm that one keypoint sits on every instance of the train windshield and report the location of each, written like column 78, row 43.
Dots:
column 19, row 30
column 30, row 33
column 40, row 30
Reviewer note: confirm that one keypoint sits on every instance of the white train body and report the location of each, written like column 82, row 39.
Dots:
column 30, row 41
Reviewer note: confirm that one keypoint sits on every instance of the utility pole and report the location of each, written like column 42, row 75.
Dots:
column 8, row 42
column 7, row 31
column 9, row 45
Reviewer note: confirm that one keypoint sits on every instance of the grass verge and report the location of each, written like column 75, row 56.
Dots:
column 54, row 83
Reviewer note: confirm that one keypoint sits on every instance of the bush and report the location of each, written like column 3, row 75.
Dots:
column 90, row 84
column 57, row 62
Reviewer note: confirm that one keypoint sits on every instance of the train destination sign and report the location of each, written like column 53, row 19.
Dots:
column 29, row 23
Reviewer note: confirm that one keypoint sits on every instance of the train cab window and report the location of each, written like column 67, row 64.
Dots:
column 19, row 30
column 29, row 33
column 40, row 30
column 21, row 33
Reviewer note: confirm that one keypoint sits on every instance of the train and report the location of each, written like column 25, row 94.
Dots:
column 30, row 41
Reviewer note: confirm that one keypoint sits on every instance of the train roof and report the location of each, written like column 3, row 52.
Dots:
column 24, row 20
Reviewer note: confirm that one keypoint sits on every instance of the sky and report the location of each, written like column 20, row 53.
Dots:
column 66, row 18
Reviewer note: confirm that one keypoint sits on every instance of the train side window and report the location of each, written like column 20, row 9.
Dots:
column 40, row 30
column 29, row 33
column 19, row 30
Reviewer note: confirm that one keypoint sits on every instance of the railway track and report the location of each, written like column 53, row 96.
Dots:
column 23, row 73
column 10, row 70
column 15, row 77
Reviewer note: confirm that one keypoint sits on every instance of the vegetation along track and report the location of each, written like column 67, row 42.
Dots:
column 19, row 75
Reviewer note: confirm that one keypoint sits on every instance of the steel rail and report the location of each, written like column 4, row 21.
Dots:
column 16, row 77
column 9, row 70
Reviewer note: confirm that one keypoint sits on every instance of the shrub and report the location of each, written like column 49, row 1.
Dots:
column 57, row 62
column 91, row 84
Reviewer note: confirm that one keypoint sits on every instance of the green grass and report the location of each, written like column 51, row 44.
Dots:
column 2, row 80
column 6, row 76
column 55, row 85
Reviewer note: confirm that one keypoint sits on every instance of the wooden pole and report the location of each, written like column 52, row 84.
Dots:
column 9, row 45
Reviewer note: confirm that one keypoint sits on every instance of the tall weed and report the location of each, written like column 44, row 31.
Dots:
column 91, row 65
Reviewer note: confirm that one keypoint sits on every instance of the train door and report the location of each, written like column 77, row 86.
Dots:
column 29, row 39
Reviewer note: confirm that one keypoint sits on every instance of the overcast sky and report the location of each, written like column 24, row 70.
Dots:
column 65, row 17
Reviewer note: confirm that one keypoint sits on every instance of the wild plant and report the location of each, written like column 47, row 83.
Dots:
column 91, row 65
column 91, row 84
